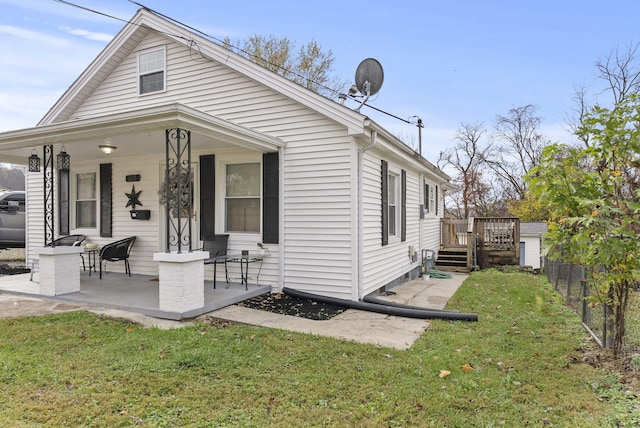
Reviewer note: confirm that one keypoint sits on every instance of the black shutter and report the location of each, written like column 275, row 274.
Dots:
column 105, row 200
column 207, row 197
column 270, row 198
column 63, row 203
column 384, row 175
column 436, row 200
column 403, row 207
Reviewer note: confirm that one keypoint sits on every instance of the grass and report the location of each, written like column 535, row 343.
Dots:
column 519, row 366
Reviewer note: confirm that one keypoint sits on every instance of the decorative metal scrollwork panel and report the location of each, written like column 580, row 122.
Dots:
column 176, row 192
column 49, row 201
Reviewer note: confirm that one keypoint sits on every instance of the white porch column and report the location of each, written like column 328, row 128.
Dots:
column 181, row 280
column 59, row 269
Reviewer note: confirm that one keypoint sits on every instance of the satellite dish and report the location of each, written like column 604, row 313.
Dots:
column 369, row 77
column 369, row 73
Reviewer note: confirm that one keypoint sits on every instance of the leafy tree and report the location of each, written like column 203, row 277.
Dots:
column 307, row 65
column 594, row 199
column 531, row 208
column 11, row 178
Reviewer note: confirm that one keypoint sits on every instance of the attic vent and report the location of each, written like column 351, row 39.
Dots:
column 151, row 71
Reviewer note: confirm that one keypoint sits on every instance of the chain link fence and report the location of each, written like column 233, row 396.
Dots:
column 573, row 282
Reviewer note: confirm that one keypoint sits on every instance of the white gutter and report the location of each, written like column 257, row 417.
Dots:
column 374, row 140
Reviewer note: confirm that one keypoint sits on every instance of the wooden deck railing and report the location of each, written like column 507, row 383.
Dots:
column 495, row 239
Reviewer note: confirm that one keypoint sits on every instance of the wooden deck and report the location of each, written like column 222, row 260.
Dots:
column 478, row 243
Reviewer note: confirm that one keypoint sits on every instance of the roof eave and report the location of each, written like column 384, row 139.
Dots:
column 168, row 116
column 409, row 152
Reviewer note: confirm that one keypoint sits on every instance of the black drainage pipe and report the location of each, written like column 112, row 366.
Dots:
column 371, row 299
column 383, row 309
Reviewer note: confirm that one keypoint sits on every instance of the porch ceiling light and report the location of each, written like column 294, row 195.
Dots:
column 34, row 162
column 64, row 160
column 107, row 149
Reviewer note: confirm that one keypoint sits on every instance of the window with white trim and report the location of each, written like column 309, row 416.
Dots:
column 85, row 200
column 242, row 197
column 432, row 200
column 394, row 203
column 151, row 71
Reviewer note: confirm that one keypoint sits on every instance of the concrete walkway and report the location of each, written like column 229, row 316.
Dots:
column 353, row 325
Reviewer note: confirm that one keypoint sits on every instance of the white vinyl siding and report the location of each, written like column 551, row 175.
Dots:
column 532, row 250
column 202, row 84
column 35, row 214
column 385, row 264
column 318, row 246
column 319, row 214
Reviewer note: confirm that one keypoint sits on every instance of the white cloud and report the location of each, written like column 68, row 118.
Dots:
column 32, row 36
column 90, row 35
column 24, row 110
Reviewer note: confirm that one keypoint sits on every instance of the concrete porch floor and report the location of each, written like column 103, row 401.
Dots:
column 138, row 293
column 136, row 299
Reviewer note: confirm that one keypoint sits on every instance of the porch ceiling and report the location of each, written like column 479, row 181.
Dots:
column 133, row 133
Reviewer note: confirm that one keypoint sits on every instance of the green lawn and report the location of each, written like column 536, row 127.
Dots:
column 519, row 366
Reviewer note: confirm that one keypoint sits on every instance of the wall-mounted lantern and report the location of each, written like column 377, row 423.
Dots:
column 64, row 160
column 34, row 162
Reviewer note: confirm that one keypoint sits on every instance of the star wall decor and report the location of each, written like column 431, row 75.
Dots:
column 133, row 198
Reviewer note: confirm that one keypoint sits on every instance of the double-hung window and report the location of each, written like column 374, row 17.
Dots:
column 393, row 203
column 86, row 200
column 432, row 201
column 243, row 197
column 151, row 71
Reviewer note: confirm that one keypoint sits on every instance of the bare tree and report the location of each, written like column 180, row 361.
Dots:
column 620, row 72
column 308, row 65
column 517, row 147
column 581, row 109
column 473, row 192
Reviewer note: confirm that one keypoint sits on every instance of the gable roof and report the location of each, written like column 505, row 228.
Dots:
column 533, row 228
column 60, row 118
column 145, row 21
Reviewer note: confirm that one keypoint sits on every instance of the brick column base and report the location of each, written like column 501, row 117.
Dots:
column 181, row 280
column 59, row 269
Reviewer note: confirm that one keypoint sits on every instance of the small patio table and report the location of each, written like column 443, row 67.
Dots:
column 244, row 259
column 91, row 256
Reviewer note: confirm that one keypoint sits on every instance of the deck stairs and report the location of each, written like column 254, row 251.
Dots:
column 452, row 260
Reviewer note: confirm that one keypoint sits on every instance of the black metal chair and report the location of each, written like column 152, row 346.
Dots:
column 69, row 241
column 64, row 241
column 117, row 251
column 217, row 248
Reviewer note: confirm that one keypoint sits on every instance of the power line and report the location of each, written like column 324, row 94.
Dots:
column 220, row 42
column 92, row 11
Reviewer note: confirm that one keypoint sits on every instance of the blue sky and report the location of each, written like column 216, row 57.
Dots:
column 446, row 62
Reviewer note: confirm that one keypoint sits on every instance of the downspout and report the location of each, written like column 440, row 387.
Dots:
column 281, row 233
column 421, row 240
column 360, row 240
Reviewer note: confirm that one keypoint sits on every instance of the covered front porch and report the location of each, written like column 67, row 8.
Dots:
column 138, row 293
column 176, row 157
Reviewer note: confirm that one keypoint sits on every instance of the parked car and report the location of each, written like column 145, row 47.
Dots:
column 12, row 218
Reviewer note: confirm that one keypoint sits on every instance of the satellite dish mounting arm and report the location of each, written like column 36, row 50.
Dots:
column 367, row 94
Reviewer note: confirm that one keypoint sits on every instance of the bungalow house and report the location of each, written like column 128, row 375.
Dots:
column 173, row 139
